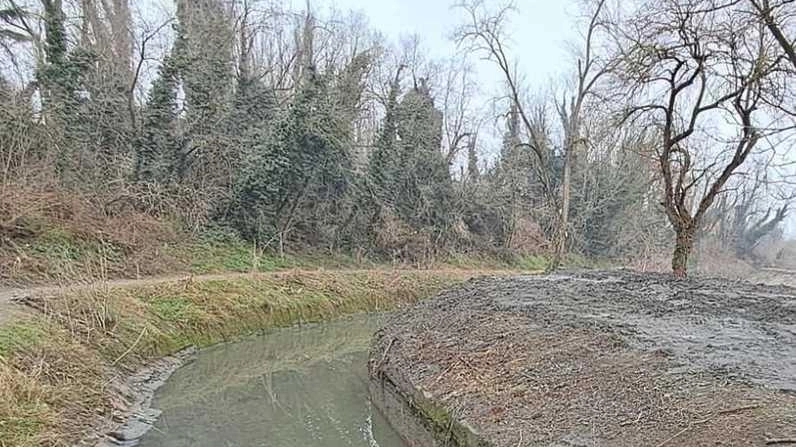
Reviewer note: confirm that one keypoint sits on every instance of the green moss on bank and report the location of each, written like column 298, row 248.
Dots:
column 20, row 337
column 55, row 368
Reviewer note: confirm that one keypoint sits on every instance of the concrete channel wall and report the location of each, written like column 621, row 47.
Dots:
column 415, row 416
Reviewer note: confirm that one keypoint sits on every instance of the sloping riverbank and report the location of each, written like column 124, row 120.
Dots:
column 65, row 352
column 609, row 359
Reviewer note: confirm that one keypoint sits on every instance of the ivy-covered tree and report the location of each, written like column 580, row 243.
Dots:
column 158, row 146
column 60, row 80
column 204, row 57
column 511, row 181
column 425, row 194
column 338, row 197
column 473, row 170
column 383, row 165
column 302, row 164
column 408, row 173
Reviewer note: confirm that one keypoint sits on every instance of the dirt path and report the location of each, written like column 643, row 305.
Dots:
column 10, row 309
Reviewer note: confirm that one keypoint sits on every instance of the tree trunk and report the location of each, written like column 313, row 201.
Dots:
column 560, row 243
column 682, row 250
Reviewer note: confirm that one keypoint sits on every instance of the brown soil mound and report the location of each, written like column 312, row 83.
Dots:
column 602, row 359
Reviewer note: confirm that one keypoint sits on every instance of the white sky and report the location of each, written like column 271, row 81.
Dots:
column 539, row 31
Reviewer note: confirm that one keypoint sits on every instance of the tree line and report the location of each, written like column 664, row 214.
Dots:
column 301, row 130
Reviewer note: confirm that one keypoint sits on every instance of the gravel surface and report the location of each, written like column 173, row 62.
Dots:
column 605, row 359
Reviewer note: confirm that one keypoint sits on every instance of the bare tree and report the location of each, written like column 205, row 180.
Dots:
column 776, row 15
column 460, row 123
column 18, row 24
column 753, row 207
column 485, row 33
column 689, row 65
column 107, row 29
column 590, row 69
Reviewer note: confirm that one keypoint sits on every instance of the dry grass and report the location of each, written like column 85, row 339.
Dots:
column 50, row 385
column 55, row 368
column 49, row 236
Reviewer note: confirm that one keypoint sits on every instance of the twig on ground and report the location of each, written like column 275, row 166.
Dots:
column 384, row 356
column 739, row 409
column 476, row 373
column 666, row 441
column 631, row 422
column 777, row 441
column 141, row 335
column 442, row 374
column 692, row 425
column 720, row 412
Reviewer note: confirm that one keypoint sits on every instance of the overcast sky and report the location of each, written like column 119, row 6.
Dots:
column 539, row 31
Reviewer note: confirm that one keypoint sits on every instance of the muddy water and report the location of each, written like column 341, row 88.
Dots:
column 295, row 387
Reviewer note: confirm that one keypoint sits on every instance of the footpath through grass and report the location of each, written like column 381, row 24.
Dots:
column 57, row 363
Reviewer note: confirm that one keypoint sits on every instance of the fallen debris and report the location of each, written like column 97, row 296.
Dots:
column 600, row 358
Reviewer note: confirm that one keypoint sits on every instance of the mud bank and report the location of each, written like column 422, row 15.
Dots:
column 601, row 358
column 134, row 394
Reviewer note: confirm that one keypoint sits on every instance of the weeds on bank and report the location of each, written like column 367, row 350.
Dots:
column 533, row 263
column 216, row 252
column 56, row 251
column 50, row 385
column 19, row 337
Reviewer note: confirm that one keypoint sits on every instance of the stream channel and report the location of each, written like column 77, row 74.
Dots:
column 303, row 386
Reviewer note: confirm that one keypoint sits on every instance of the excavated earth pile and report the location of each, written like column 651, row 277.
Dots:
column 592, row 359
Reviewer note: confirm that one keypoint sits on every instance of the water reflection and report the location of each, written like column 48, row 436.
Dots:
column 294, row 387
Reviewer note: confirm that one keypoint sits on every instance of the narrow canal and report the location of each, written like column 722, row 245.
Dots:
column 304, row 386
